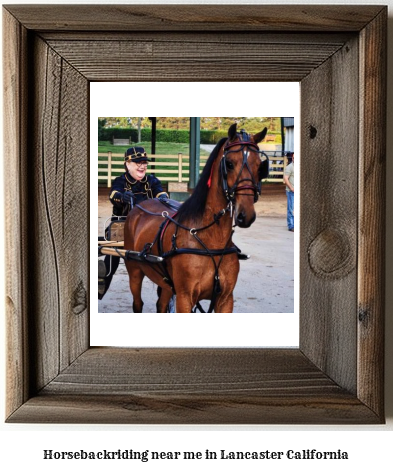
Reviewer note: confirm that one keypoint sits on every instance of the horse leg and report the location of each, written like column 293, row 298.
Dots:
column 136, row 277
column 224, row 304
column 183, row 303
column 163, row 300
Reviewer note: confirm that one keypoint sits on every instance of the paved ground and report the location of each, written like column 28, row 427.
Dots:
column 266, row 280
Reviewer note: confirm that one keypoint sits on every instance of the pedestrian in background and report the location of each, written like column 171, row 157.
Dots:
column 289, row 180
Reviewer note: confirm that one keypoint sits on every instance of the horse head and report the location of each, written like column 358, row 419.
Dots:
column 242, row 171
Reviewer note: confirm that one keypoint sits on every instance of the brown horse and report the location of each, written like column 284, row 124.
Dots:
column 200, row 260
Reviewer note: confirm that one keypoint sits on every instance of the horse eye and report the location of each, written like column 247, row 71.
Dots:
column 229, row 165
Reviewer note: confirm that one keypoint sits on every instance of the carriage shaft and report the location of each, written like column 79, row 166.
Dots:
column 130, row 255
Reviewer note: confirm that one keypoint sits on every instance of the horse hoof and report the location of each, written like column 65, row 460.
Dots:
column 135, row 309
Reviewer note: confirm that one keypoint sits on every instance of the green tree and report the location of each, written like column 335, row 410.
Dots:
column 101, row 125
column 251, row 124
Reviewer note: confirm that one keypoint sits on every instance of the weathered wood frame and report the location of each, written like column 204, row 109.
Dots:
column 338, row 53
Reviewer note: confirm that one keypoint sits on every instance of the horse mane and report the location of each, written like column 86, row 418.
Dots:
column 194, row 206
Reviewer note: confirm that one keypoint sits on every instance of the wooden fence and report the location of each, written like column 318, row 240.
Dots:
column 172, row 168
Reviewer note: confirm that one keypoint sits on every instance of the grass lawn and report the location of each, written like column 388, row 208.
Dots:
column 162, row 148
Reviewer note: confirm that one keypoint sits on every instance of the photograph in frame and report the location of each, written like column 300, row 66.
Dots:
column 266, row 282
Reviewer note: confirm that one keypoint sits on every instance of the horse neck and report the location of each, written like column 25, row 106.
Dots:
column 216, row 202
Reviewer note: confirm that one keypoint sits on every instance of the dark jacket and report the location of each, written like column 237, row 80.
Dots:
column 150, row 187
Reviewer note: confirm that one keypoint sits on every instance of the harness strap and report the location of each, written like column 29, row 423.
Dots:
column 176, row 251
column 216, row 220
column 216, row 283
column 200, row 252
column 216, row 292
column 241, row 144
column 164, row 227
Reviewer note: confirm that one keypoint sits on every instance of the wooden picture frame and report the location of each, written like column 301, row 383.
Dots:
column 338, row 54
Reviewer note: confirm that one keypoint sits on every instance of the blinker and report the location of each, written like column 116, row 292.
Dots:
column 244, row 148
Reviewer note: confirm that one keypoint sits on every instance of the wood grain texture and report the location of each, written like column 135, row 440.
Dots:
column 329, row 188
column 372, row 192
column 14, row 70
column 184, row 59
column 194, row 17
column 221, row 409
column 197, row 386
column 221, row 37
column 59, row 180
column 53, row 375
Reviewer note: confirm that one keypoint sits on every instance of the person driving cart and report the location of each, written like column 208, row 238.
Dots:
column 132, row 187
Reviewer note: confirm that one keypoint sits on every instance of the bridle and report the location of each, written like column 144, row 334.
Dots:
column 245, row 145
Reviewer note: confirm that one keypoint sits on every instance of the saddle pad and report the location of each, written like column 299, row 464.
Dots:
column 171, row 204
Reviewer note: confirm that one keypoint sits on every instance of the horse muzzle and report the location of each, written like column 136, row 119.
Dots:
column 243, row 220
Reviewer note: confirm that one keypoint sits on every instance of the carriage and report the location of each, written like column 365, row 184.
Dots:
column 187, row 250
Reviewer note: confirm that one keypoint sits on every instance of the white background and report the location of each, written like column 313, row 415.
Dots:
column 187, row 99
column 369, row 447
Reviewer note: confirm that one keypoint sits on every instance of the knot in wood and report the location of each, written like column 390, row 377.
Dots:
column 313, row 132
column 330, row 254
column 364, row 316
column 80, row 299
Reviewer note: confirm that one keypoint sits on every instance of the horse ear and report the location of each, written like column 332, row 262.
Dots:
column 232, row 132
column 263, row 170
column 258, row 137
